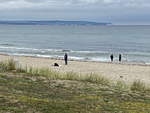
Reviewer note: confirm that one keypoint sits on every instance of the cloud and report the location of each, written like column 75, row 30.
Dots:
column 95, row 10
column 31, row 3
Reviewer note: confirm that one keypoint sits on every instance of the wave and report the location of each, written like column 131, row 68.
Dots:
column 48, row 56
column 61, row 57
column 74, row 55
column 52, row 50
column 33, row 49
column 19, row 48
column 7, row 44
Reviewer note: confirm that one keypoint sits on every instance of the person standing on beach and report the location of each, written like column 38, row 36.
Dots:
column 66, row 58
column 111, row 57
column 119, row 57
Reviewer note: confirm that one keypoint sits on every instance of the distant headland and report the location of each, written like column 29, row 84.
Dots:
column 54, row 22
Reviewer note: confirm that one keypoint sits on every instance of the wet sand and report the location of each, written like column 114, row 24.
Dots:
column 127, row 72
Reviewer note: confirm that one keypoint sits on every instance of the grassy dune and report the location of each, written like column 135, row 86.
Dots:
column 28, row 90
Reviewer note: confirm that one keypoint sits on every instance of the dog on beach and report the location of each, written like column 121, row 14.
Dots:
column 56, row 64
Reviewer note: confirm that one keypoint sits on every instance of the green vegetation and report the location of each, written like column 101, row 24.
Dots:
column 29, row 90
column 6, row 66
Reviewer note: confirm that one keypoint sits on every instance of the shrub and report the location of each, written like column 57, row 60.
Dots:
column 138, row 86
column 8, row 65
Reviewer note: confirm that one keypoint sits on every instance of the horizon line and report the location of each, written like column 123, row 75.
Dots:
column 110, row 23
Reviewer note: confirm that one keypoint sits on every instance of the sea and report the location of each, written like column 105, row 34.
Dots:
column 85, row 43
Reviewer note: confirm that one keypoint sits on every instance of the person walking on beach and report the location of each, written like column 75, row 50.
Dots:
column 111, row 57
column 66, row 58
column 119, row 57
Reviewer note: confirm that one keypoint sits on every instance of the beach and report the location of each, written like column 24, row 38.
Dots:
column 126, row 72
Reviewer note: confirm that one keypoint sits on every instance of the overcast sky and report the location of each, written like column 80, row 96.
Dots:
column 115, row 11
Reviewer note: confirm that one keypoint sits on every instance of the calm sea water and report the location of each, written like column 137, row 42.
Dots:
column 91, row 43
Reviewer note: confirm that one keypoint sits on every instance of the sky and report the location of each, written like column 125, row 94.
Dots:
column 114, row 11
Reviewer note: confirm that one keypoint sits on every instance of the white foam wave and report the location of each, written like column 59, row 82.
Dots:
column 20, row 48
column 51, row 50
column 35, row 49
column 73, row 55
column 100, row 59
column 92, row 52
column 57, row 57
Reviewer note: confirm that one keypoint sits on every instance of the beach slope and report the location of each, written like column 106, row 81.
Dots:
column 114, row 71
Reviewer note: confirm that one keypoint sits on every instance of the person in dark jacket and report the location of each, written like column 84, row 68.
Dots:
column 119, row 57
column 66, row 58
column 112, row 57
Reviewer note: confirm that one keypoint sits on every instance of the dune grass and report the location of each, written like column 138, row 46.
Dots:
column 45, row 72
column 7, row 65
column 29, row 90
column 10, row 65
column 139, row 86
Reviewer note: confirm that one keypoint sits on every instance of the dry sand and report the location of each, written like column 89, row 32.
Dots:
column 114, row 71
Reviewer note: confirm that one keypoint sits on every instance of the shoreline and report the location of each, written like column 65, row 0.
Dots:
column 128, row 73
column 61, row 59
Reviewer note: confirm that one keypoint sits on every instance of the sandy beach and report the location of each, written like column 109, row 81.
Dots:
column 114, row 71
